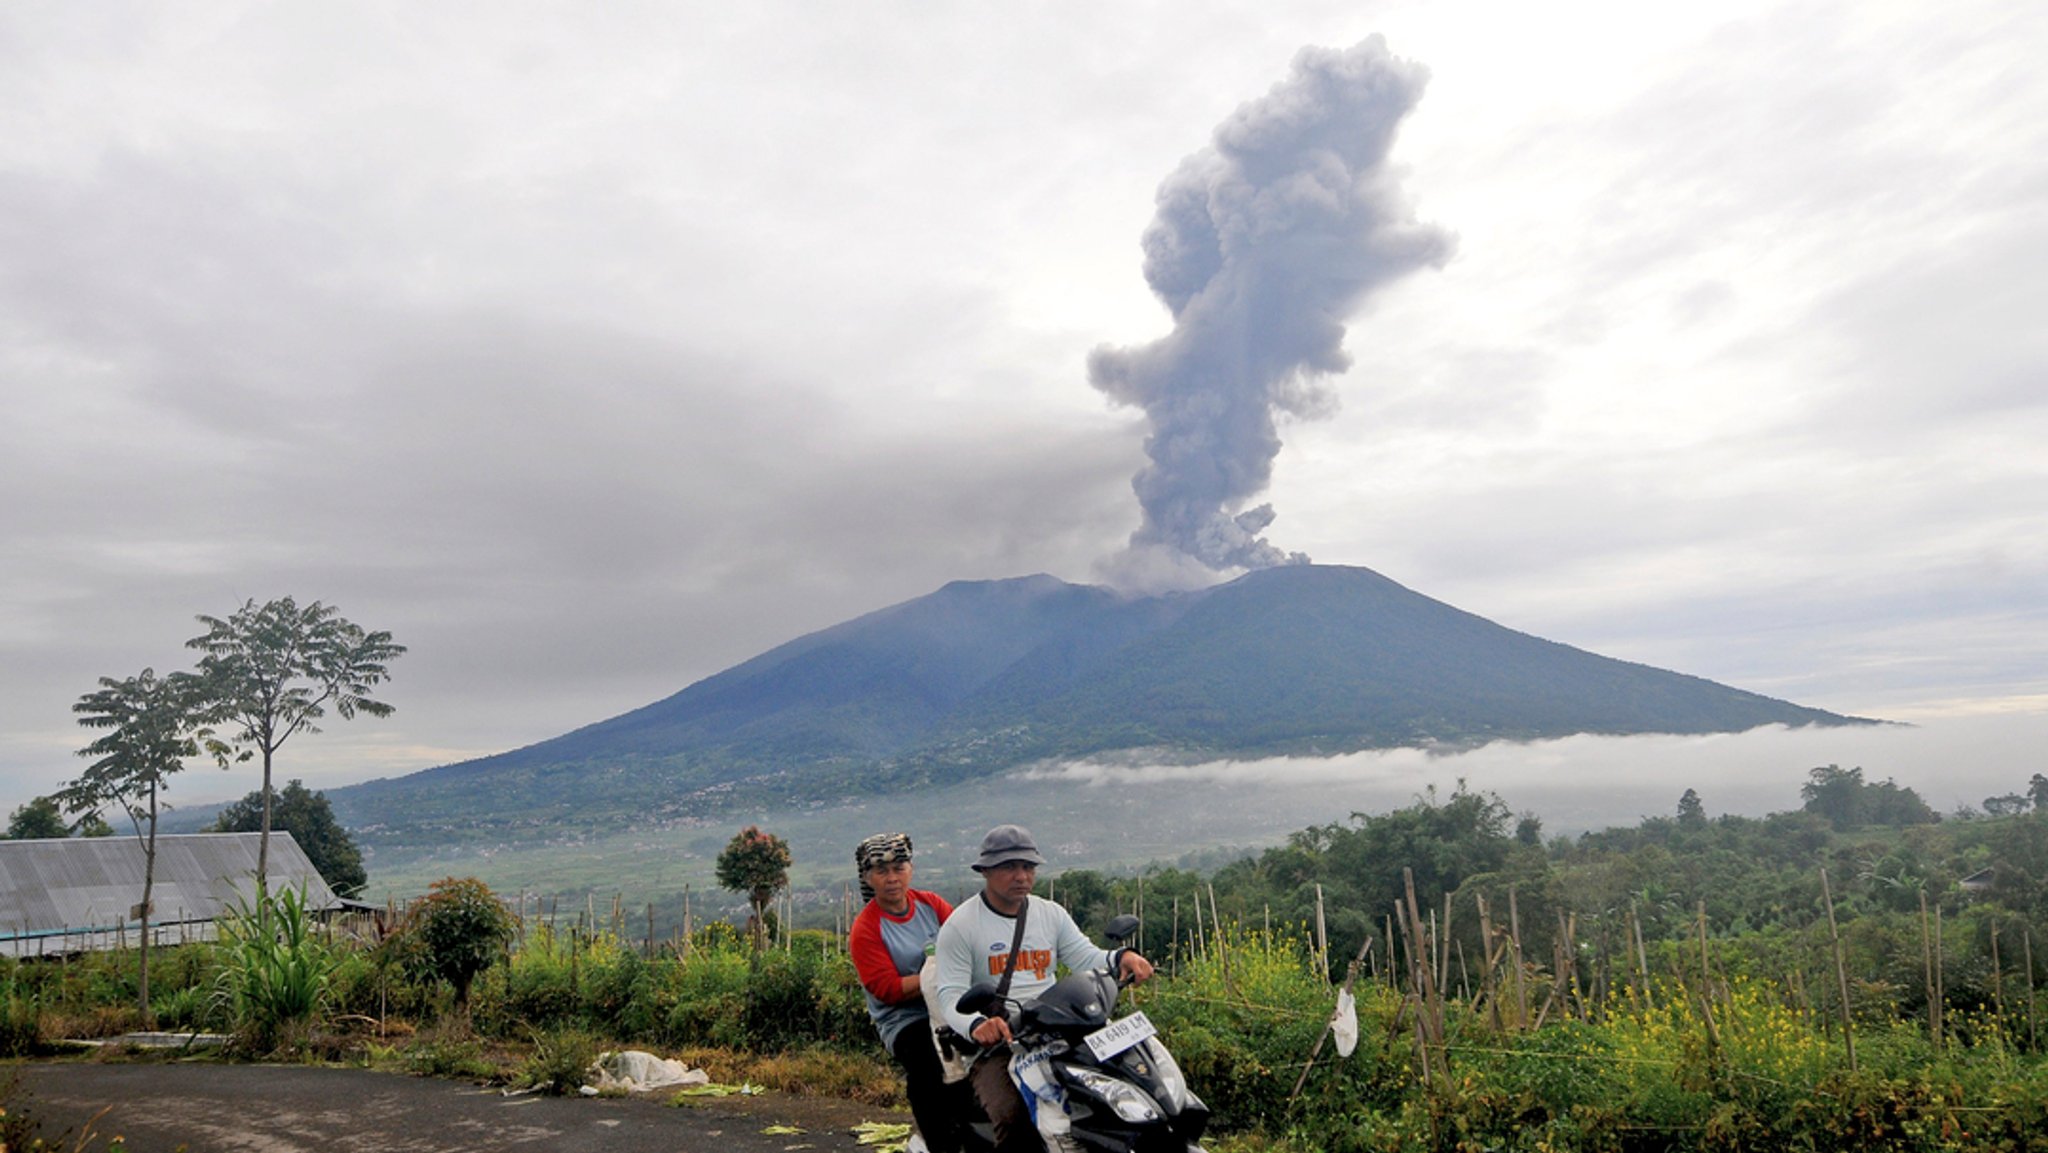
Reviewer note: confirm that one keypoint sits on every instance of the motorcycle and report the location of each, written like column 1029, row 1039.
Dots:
column 1122, row 1089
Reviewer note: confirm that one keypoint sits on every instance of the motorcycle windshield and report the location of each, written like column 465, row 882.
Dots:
column 1078, row 1001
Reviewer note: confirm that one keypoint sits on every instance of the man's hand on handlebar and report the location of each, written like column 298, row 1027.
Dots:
column 1133, row 968
column 991, row 1031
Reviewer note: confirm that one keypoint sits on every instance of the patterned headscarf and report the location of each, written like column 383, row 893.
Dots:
column 880, row 849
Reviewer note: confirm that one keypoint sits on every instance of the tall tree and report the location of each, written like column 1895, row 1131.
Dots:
column 40, row 819
column 308, row 817
column 757, row 864
column 1692, row 813
column 153, row 724
column 272, row 670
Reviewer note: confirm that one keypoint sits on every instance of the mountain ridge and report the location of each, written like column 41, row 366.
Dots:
column 982, row 676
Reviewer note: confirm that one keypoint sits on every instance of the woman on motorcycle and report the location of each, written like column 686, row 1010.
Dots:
column 891, row 937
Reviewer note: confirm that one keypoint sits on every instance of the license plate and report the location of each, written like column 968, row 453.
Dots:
column 1119, row 1035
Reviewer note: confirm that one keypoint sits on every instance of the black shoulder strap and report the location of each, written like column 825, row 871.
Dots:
column 1016, row 943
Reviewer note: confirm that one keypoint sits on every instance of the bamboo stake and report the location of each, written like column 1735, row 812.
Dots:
column 1139, row 909
column 1927, row 969
column 1417, row 981
column 1434, row 1029
column 1350, row 976
column 1642, row 957
column 1487, row 988
column 1222, row 949
column 1443, row 961
column 1707, row 991
column 1997, row 982
column 1940, row 985
column 1174, row 955
column 1841, row 969
column 1521, row 985
column 1436, row 953
column 2033, row 1039
column 1322, row 936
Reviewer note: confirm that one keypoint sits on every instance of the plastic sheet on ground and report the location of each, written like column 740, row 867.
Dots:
column 635, row 1071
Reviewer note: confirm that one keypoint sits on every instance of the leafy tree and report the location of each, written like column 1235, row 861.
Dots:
column 272, row 670
column 2005, row 805
column 1847, row 801
column 92, row 825
column 757, row 864
column 1835, row 794
column 38, row 820
column 2037, row 792
column 1086, row 894
column 153, row 724
column 459, row 928
column 1692, row 814
column 308, row 817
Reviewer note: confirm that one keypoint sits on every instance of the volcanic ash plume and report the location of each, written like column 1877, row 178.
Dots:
column 1264, row 243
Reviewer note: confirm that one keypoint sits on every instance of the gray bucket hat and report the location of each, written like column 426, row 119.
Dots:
column 1006, row 843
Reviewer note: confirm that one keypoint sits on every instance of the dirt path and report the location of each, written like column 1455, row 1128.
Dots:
column 211, row 1108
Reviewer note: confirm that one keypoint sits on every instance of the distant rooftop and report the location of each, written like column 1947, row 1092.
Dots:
column 67, row 895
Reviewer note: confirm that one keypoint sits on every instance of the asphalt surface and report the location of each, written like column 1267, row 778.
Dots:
column 215, row 1108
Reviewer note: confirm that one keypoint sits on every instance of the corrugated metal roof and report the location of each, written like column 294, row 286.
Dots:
column 87, row 884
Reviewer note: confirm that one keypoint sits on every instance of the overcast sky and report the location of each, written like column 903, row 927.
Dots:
column 591, row 350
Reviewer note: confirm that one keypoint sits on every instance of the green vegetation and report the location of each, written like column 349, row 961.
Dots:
column 1690, row 983
column 39, row 818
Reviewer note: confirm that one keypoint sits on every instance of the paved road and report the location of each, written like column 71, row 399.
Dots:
column 209, row 1108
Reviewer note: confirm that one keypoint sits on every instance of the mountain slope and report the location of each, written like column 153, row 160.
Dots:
column 981, row 676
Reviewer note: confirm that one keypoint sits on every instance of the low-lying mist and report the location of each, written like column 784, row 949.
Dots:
column 1591, row 782
column 1128, row 814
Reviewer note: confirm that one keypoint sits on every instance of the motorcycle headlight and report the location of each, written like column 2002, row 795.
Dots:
column 1173, row 1088
column 1128, row 1100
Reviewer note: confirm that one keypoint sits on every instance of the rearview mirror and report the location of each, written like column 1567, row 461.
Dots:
column 1121, row 927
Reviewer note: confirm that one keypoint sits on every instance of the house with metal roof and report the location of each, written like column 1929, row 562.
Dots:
column 79, row 894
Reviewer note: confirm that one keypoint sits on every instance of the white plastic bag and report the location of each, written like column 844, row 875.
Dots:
column 1344, row 1023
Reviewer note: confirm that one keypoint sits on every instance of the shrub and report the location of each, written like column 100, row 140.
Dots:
column 274, row 970
column 458, row 930
column 21, row 1021
column 448, row 1051
column 190, row 1008
column 560, row 1062
column 711, row 1000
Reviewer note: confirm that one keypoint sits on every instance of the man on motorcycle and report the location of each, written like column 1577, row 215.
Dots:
column 983, row 941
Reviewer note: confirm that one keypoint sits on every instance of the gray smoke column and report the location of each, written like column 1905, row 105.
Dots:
column 1265, row 242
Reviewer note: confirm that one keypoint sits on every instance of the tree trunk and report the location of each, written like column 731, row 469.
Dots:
column 263, row 839
column 148, row 887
